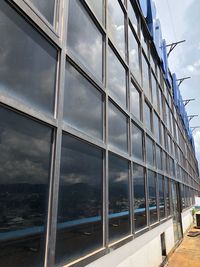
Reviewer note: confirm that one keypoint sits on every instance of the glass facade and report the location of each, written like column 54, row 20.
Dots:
column 90, row 138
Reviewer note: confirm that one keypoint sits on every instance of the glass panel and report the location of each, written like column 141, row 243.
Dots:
column 167, row 196
column 156, row 125
column 152, row 197
column 119, row 213
column 98, row 8
column 161, row 196
column 25, row 148
column 116, row 25
column 139, row 197
column 135, row 98
column 164, row 161
column 145, row 76
column 117, row 129
column 47, row 8
column 160, row 103
column 137, row 142
column 149, row 151
column 134, row 56
column 79, row 228
column 132, row 16
column 84, row 39
column 116, row 78
column 147, row 116
column 28, row 62
column 83, row 103
column 154, row 91
column 159, row 157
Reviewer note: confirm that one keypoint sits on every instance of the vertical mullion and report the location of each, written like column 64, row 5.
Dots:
column 53, row 205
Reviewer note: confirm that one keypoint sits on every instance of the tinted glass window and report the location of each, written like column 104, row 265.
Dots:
column 47, row 8
column 149, row 151
column 156, row 124
column 145, row 77
column 152, row 197
column 25, row 147
column 135, row 98
column 27, row 61
column 161, row 196
column 116, row 78
column 139, row 197
column 119, row 214
column 134, row 56
column 83, row 105
column 117, row 129
column 116, row 25
column 97, row 7
column 154, row 91
column 132, row 16
column 167, row 196
column 147, row 116
column 159, row 157
column 84, row 39
column 137, row 142
column 79, row 228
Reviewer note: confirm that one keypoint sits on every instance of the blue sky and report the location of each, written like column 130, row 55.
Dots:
column 180, row 21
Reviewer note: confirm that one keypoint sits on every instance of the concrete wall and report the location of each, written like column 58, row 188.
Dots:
column 143, row 251
column 187, row 219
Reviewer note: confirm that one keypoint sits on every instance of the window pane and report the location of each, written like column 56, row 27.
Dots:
column 83, row 103
column 139, row 197
column 25, row 147
column 167, row 196
column 119, row 213
column 98, row 8
column 79, row 228
column 47, row 8
column 84, row 39
column 137, row 142
column 152, row 197
column 27, row 62
column 154, row 91
column 132, row 16
column 117, row 131
column 159, row 157
column 147, row 116
column 161, row 196
column 116, row 25
column 134, row 56
column 145, row 76
column 156, row 125
column 116, row 78
column 149, row 151
column 135, row 98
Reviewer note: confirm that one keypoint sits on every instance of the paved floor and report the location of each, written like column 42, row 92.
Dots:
column 188, row 253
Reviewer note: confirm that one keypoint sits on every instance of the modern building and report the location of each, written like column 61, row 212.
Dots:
column 97, row 161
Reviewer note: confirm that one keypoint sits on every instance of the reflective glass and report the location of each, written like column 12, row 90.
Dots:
column 147, row 116
column 83, row 103
column 97, row 7
column 161, row 196
column 139, row 197
column 156, row 124
column 117, row 128
column 132, row 16
column 135, row 98
column 154, row 91
column 116, row 25
column 116, row 78
column 134, row 56
column 84, row 39
column 167, row 196
column 145, row 77
column 137, row 142
column 25, row 148
column 149, row 151
column 27, row 62
column 79, row 228
column 119, row 211
column 47, row 8
column 152, row 202
column 159, row 158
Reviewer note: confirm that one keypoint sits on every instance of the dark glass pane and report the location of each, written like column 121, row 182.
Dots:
column 149, row 151
column 117, row 128
column 25, row 147
column 152, row 202
column 137, row 142
column 164, row 161
column 47, row 8
column 116, row 78
column 167, row 196
column 139, row 197
column 147, row 116
column 135, row 98
column 119, row 213
column 83, row 104
column 134, row 56
column 98, row 8
column 116, row 25
column 145, row 77
column 159, row 158
column 79, row 228
column 28, row 61
column 161, row 196
column 84, row 39
column 183, row 195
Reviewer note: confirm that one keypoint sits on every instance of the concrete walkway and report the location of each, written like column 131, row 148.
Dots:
column 188, row 253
